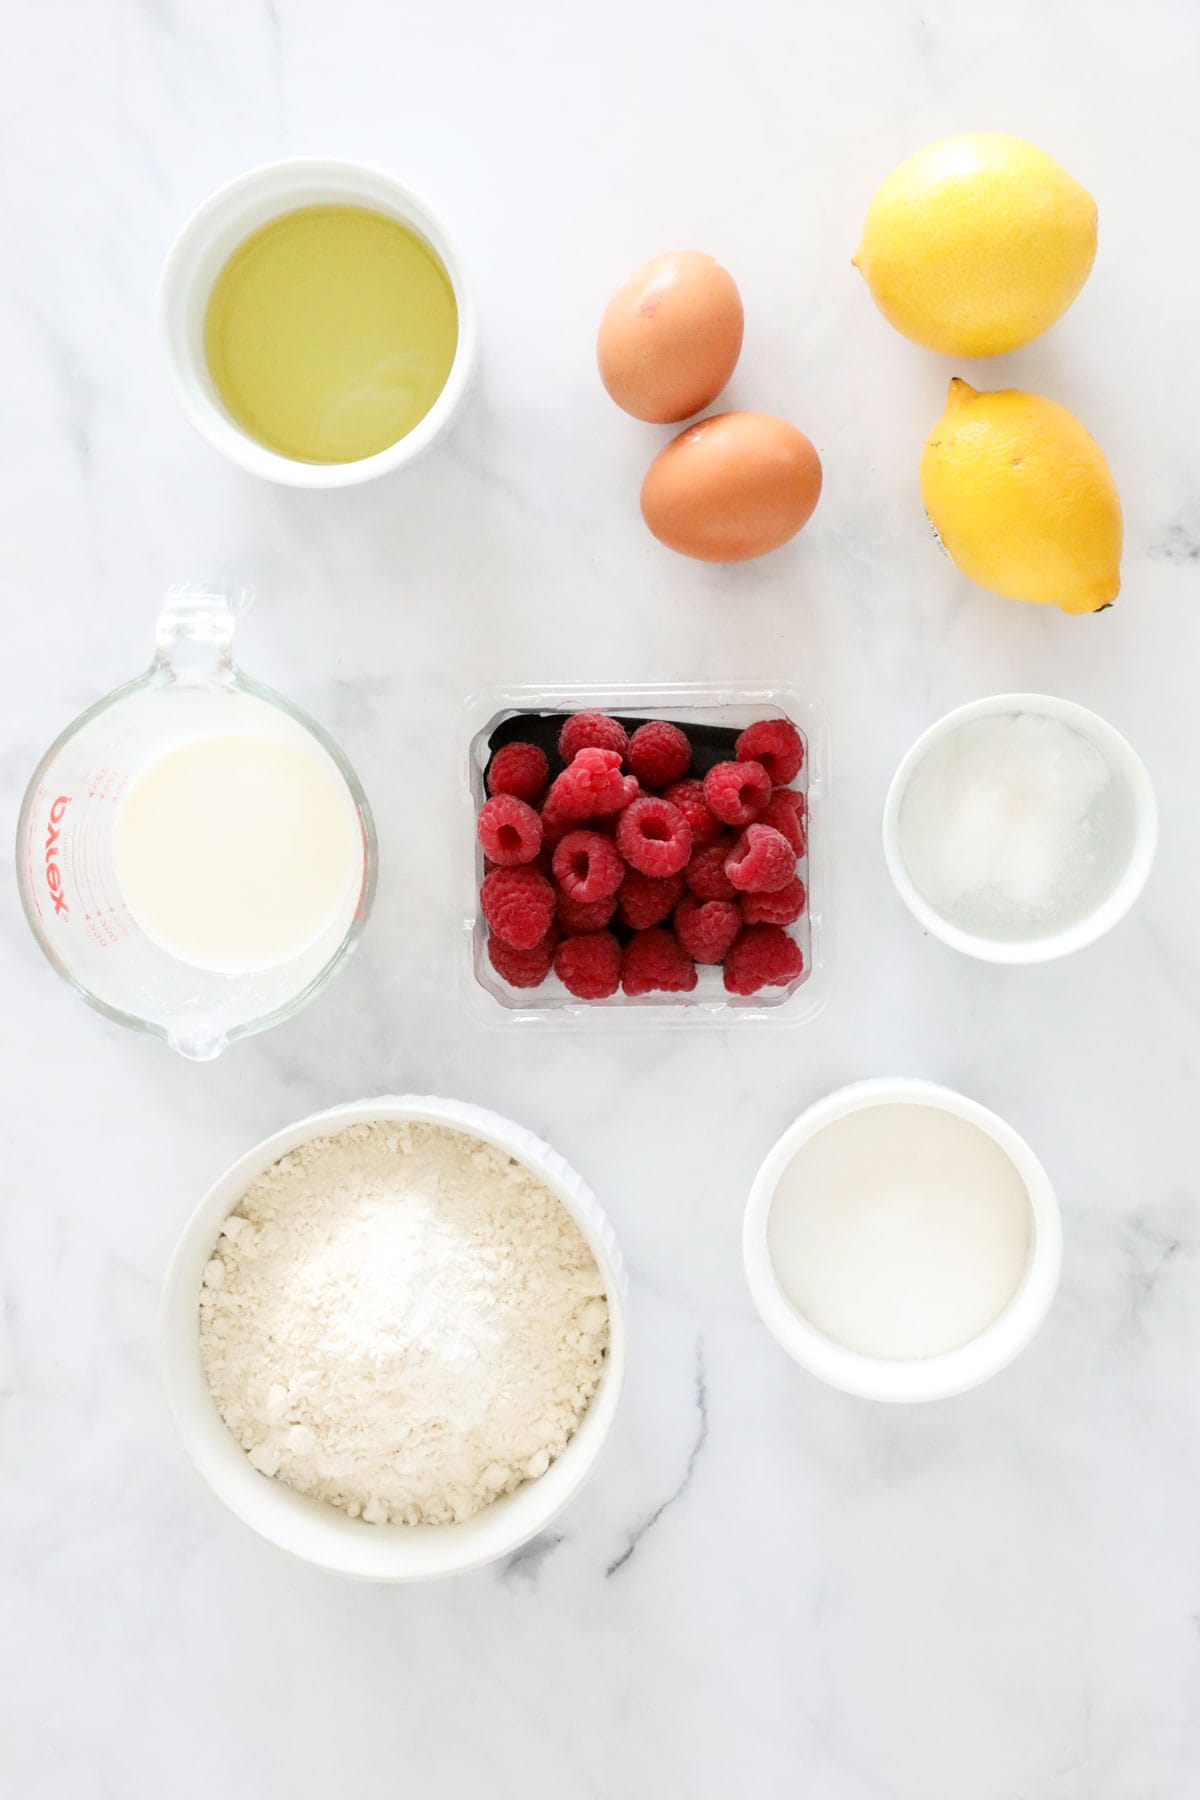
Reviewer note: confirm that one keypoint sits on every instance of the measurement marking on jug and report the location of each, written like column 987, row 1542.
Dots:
column 92, row 863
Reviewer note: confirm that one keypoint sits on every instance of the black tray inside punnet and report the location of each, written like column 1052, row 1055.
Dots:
column 711, row 744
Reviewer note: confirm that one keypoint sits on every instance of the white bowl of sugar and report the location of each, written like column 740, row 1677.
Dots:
column 1020, row 828
column 901, row 1241
column 344, row 1312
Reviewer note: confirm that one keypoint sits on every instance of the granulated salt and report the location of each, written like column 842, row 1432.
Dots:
column 1007, row 828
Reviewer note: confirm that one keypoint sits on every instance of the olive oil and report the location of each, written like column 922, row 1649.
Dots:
column 330, row 332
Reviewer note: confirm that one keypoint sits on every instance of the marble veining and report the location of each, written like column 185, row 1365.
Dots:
column 676, row 1494
column 767, row 1588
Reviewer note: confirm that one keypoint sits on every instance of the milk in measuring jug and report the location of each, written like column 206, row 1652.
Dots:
column 236, row 852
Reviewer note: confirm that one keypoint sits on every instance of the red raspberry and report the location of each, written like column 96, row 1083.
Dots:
column 509, row 830
column 591, row 731
column 589, row 967
column 688, row 796
column 518, row 904
column 658, row 754
column 587, row 867
column 541, row 862
column 787, row 812
column 605, row 823
column 761, row 862
column 519, row 769
column 648, row 899
column 655, row 963
column 783, row 907
column 777, row 745
column 764, row 956
column 706, row 928
column 578, row 917
column 706, row 872
column 738, row 792
column 555, row 825
column 523, row 968
column 592, row 785
column 654, row 837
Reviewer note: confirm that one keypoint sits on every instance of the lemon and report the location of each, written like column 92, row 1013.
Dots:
column 977, row 243
column 1022, row 499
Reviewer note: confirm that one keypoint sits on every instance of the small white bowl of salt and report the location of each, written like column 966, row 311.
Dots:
column 1020, row 828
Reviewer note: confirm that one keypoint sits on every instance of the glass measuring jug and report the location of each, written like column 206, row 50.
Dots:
column 66, row 834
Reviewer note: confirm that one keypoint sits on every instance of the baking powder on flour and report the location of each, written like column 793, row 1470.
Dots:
column 402, row 1321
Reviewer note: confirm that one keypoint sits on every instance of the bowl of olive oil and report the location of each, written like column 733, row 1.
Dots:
column 317, row 324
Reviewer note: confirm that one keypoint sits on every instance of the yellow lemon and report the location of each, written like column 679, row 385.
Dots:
column 977, row 243
column 1023, row 500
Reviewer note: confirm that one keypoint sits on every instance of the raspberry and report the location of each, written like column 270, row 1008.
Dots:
column 648, row 899
column 761, row 862
column 706, row 928
column 605, row 823
column 591, row 731
column 688, row 796
column 587, row 867
column 706, row 872
column 592, row 785
column 578, row 917
column 658, row 754
column 523, row 968
column 555, row 825
column 518, row 904
column 764, row 956
column 777, row 745
column 738, row 792
column 783, row 907
column 589, row 967
column 654, row 837
column 509, row 830
column 543, row 862
column 787, row 812
column 655, row 963
column 520, row 770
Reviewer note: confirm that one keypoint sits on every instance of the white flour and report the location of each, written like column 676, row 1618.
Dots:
column 403, row 1322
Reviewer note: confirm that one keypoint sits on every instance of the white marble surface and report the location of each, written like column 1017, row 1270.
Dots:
column 768, row 1589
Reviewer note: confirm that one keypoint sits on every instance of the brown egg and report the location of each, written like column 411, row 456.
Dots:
column 670, row 337
column 732, row 487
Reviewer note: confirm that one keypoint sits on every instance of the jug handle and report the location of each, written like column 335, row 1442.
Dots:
column 193, row 639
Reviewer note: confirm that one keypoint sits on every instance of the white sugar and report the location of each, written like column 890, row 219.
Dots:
column 1008, row 826
column 900, row 1231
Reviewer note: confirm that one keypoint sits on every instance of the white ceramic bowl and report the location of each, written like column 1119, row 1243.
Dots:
column 205, row 244
column 1137, row 806
column 310, row 1529
column 932, row 1377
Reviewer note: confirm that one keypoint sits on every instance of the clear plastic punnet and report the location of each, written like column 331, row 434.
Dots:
column 709, row 713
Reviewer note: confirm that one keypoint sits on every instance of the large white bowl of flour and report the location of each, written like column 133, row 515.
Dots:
column 311, row 1528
